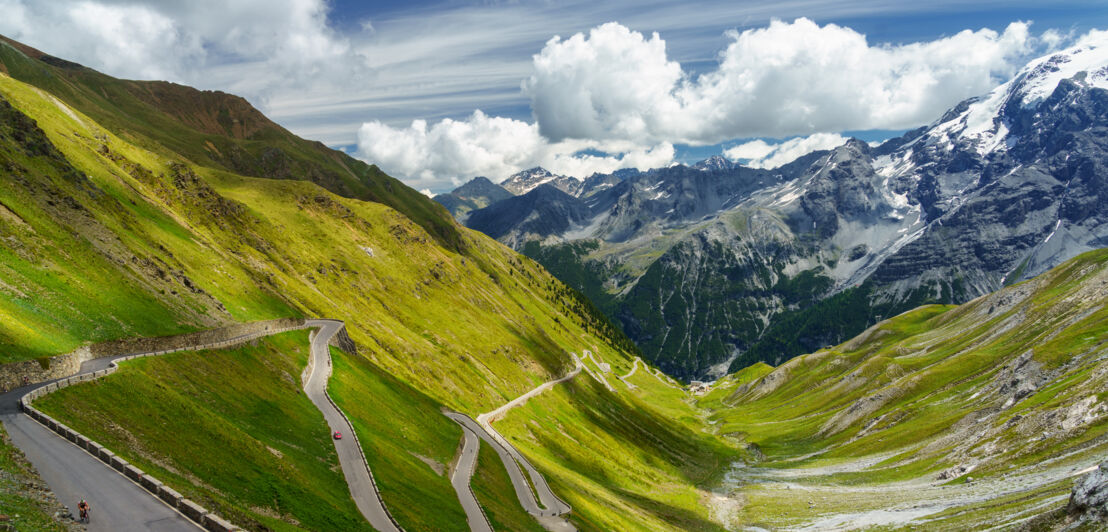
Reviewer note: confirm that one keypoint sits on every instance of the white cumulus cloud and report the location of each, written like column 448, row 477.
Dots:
column 617, row 90
column 452, row 151
column 761, row 154
column 252, row 47
column 789, row 78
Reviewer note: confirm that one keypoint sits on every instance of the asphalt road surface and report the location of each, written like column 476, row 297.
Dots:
column 461, row 478
column 548, row 513
column 362, row 488
column 118, row 504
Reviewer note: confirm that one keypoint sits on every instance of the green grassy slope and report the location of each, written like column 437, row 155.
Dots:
column 120, row 237
column 232, row 432
column 113, row 229
column 495, row 494
column 633, row 460
column 1007, row 388
column 167, row 246
column 216, row 129
column 78, row 265
column 407, row 441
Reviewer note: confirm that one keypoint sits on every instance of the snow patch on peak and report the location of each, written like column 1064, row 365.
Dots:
column 713, row 163
column 982, row 124
column 1039, row 78
column 527, row 180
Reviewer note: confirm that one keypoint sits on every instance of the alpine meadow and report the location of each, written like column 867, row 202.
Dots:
column 795, row 267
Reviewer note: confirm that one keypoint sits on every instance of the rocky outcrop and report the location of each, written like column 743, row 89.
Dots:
column 544, row 211
column 528, row 180
column 1089, row 497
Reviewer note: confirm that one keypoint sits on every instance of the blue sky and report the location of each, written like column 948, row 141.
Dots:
column 357, row 74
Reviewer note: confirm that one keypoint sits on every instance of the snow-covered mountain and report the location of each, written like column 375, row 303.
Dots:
column 714, row 263
column 527, row 180
column 715, row 163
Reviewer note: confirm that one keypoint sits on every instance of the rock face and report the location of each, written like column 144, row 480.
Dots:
column 715, row 163
column 1090, row 495
column 717, row 262
column 544, row 211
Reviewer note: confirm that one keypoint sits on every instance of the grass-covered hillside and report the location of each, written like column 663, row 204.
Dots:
column 112, row 229
column 219, row 130
column 954, row 417
column 132, row 209
column 231, row 432
column 106, row 239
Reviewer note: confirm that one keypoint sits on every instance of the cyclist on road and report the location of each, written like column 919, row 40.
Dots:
column 83, row 507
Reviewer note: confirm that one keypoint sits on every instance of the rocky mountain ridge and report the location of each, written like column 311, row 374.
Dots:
column 718, row 262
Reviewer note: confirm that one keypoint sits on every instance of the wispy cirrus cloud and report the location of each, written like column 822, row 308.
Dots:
column 617, row 90
column 324, row 69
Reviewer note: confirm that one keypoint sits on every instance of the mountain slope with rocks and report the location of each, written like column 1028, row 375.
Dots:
column 110, row 233
column 718, row 266
column 944, row 418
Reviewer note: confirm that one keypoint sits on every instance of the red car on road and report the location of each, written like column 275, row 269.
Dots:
column 338, row 435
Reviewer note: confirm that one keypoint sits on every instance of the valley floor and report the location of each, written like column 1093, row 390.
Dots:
column 829, row 496
column 979, row 416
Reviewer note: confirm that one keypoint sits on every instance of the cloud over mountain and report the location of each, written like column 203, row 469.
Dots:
column 455, row 150
column 616, row 90
column 790, row 78
column 761, row 154
column 252, row 47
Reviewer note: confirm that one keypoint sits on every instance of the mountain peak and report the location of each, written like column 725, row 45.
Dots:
column 523, row 182
column 1086, row 64
column 714, row 163
column 529, row 173
column 477, row 193
column 984, row 123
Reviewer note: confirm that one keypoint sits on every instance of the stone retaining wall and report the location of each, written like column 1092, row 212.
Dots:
column 342, row 341
column 218, row 338
column 12, row 375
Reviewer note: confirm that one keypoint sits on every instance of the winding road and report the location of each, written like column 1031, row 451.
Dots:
column 659, row 375
column 634, row 368
column 354, row 467
column 467, row 464
column 601, row 366
column 546, row 507
column 118, row 504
